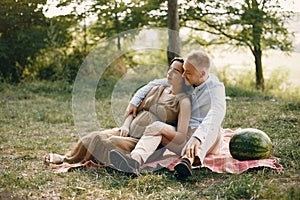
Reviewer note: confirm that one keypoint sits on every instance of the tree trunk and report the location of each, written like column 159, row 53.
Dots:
column 257, row 52
column 118, row 67
column 260, row 85
column 173, row 25
column 117, row 27
column 85, row 33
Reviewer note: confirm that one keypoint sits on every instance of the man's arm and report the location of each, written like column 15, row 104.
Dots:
column 141, row 94
column 211, row 123
column 214, row 118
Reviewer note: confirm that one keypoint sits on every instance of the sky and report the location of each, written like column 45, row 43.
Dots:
column 289, row 5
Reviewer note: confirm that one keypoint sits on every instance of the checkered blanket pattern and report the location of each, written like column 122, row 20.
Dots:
column 220, row 163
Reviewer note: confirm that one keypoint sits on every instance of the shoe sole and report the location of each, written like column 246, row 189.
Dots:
column 118, row 160
column 183, row 170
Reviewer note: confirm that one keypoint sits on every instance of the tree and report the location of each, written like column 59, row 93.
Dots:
column 173, row 25
column 258, row 25
column 60, row 58
column 22, row 33
column 117, row 16
column 114, row 17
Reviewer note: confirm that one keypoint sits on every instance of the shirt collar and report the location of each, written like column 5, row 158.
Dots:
column 202, row 84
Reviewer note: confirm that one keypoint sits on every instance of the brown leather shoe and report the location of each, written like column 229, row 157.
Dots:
column 183, row 168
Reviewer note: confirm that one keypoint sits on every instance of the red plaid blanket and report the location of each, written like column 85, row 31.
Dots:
column 220, row 163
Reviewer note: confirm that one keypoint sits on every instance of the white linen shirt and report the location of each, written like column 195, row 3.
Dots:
column 208, row 105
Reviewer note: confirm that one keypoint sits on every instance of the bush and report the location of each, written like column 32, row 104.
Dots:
column 242, row 83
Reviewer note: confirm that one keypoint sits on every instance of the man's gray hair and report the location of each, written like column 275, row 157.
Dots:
column 199, row 59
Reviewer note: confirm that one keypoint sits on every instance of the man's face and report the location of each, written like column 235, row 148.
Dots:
column 191, row 75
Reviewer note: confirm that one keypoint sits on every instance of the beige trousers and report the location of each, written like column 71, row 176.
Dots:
column 211, row 145
column 147, row 145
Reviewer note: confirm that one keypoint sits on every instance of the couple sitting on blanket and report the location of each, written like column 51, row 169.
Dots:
column 182, row 113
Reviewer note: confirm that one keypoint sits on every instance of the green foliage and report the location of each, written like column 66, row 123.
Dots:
column 257, row 25
column 22, row 34
column 241, row 83
column 117, row 16
column 66, row 50
column 114, row 17
column 35, row 47
column 58, row 60
column 234, row 23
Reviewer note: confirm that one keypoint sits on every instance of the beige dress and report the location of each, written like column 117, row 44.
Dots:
column 97, row 145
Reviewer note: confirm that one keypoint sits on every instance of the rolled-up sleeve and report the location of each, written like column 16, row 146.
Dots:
column 142, row 92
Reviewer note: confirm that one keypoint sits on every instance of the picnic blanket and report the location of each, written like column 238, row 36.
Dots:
column 220, row 163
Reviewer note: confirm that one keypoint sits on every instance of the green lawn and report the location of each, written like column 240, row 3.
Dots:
column 36, row 118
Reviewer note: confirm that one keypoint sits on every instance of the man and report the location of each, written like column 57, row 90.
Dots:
column 208, row 111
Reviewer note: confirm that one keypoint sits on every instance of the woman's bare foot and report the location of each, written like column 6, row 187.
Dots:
column 54, row 158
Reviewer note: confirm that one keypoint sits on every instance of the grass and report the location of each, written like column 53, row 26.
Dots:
column 36, row 118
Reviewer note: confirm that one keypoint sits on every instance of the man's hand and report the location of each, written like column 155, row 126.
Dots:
column 191, row 148
column 131, row 109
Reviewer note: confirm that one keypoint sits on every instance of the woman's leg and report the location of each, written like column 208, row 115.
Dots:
column 148, row 145
column 145, row 147
column 82, row 150
column 75, row 155
column 100, row 147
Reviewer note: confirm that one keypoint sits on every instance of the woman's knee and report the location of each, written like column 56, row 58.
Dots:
column 125, row 143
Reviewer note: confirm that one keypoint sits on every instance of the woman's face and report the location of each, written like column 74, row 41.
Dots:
column 174, row 75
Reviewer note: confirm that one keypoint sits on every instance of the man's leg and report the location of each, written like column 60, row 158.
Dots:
column 210, row 145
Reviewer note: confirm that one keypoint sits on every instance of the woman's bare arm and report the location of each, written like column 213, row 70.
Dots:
column 179, row 135
column 170, row 133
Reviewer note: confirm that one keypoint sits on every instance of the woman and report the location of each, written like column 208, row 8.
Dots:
column 158, row 133
column 162, row 104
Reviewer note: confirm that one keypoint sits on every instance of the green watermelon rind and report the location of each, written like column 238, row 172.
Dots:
column 243, row 146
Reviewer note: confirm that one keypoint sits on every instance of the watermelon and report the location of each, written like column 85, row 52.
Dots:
column 250, row 144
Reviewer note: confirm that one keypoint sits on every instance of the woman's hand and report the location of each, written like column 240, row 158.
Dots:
column 131, row 109
column 124, row 131
column 155, row 129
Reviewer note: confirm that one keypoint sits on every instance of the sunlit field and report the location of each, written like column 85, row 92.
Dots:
column 36, row 118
